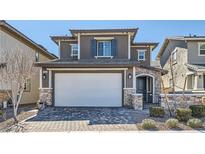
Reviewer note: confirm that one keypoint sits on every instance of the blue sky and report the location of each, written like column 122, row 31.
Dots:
column 149, row 30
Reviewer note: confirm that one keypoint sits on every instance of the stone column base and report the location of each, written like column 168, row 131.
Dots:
column 127, row 96
column 46, row 96
column 137, row 101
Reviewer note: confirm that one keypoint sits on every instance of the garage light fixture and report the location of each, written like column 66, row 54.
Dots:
column 129, row 76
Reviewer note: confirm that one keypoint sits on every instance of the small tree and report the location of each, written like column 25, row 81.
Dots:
column 19, row 66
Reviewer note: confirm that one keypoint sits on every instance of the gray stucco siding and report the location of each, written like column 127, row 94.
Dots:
column 65, row 49
column 170, row 47
column 122, row 46
column 193, row 57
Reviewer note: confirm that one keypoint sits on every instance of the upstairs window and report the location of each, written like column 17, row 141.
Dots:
column 202, row 49
column 74, row 50
column 104, row 49
column 174, row 57
column 36, row 56
column 141, row 55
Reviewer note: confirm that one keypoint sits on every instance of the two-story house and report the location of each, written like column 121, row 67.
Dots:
column 101, row 68
column 184, row 55
column 12, row 39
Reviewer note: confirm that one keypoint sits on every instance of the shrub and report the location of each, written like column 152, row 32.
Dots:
column 198, row 110
column 1, row 112
column 172, row 123
column 183, row 114
column 156, row 111
column 195, row 123
column 148, row 124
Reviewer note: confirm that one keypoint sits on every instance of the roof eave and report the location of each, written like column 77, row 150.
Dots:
column 17, row 32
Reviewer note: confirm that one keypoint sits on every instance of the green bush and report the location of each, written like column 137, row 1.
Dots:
column 148, row 124
column 1, row 112
column 198, row 110
column 195, row 123
column 172, row 123
column 156, row 111
column 183, row 114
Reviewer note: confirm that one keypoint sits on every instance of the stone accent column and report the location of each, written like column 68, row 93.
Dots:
column 128, row 96
column 46, row 96
column 137, row 101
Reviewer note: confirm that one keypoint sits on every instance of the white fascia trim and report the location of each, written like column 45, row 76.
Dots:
column 125, row 78
column 40, row 78
column 134, row 77
column 50, row 78
column 45, row 88
column 103, row 38
column 103, row 57
column 78, row 45
column 122, row 33
column 129, row 54
column 59, row 48
column 129, row 88
column 86, row 69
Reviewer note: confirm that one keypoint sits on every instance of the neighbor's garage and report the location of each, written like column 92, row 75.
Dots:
column 88, row 89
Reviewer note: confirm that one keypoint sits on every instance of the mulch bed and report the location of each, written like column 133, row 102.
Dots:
column 22, row 116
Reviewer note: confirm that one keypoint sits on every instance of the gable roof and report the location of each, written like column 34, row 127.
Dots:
column 5, row 25
column 74, row 32
column 133, row 31
column 178, row 38
column 152, row 44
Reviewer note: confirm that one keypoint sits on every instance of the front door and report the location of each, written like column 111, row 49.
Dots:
column 141, row 87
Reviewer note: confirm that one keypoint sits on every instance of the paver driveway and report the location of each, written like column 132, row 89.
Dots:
column 85, row 119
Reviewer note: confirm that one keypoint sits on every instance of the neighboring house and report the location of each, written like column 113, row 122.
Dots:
column 102, row 68
column 186, row 55
column 12, row 39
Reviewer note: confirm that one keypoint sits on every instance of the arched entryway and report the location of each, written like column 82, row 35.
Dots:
column 146, row 86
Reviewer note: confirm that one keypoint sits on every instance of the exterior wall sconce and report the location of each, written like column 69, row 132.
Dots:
column 45, row 74
column 129, row 76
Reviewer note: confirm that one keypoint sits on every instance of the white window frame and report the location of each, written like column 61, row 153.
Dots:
column 199, row 44
column 72, row 46
column 173, row 54
column 37, row 56
column 103, row 49
column 27, row 85
column 138, row 53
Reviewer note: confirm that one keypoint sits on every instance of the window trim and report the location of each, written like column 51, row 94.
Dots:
column 73, row 55
column 103, row 49
column 141, row 50
column 27, row 83
column 199, row 44
column 172, row 55
column 37, row 56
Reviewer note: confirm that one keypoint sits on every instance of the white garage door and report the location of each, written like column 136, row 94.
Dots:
column 88, row 89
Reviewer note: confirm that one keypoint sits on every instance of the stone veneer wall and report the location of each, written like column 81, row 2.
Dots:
column 189, row 99
column 46, row 95
column 157, row 80
column 128, row 96
column 137, row 101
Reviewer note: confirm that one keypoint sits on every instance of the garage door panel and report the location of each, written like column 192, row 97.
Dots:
column 88, row 89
